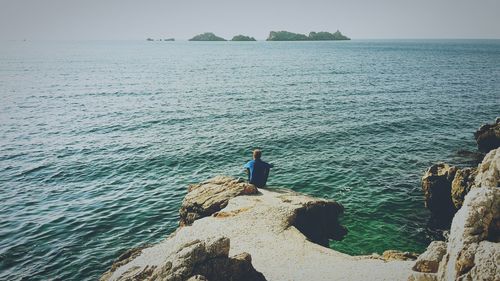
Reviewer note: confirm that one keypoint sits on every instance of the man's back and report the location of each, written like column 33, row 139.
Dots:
column 258, row 171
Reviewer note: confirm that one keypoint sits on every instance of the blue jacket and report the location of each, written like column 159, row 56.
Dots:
column 258, row 171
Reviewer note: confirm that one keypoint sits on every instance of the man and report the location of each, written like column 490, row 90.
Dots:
column 257, row 170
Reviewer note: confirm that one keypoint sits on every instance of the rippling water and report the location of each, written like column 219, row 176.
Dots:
column 100, row 139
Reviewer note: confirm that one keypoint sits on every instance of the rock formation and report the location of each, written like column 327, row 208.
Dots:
column 488, row 171
column 286, row 36
column 461, row 184
column 196, row 260
column 468, row 245
column 488, row 136
column 473, row 249
column 393, row 255
column 436, row 185
column 207, row 36
column 327, row 36
column 243, row 38
column 313, row 36
column 211, row 196
column 445, row 186
column 428, row 262
column 280, row 230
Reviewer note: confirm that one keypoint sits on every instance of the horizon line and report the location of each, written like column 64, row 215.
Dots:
column 257, row 39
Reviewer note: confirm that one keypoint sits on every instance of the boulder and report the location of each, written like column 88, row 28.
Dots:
column 461, row 184
column 428, row 261
column 470, row 227
column 436, row 185
column 393, row 255
column 197, row 260
column 208, row 197
column 488, row 136
column 488, row 172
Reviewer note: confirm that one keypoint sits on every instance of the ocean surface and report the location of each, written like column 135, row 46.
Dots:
column 99, row 139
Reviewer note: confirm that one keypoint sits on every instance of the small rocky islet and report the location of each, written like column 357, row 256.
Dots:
column 207, row 36
column 243, row 38
column 313, row 36
column 230, row 230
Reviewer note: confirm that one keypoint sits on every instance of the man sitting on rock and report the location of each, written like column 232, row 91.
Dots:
column 257, row 170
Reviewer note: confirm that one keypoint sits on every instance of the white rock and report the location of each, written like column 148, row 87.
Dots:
column 488, row 173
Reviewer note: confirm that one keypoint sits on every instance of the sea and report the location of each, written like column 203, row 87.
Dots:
column 100, row 139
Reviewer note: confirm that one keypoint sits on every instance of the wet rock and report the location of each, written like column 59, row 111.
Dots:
column 207, row 198
column 393, row 255
column 436, row 185
column 488, row 136
column 428, row 262
column 461, row 184
column 488, row 172
column 470, row 227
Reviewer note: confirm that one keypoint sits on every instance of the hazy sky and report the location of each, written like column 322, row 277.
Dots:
column 135, row 19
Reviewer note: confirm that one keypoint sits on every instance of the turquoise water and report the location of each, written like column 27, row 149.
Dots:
column 100, row 139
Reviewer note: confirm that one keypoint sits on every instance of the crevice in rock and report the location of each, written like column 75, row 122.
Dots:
column 318, row 221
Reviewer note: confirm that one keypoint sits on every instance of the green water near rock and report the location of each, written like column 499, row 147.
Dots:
column 100, row 139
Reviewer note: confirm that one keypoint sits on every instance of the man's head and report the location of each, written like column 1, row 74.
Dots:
column 257, row 153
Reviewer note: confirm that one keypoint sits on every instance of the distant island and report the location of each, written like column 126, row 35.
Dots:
column 273, row 36
column 243, row 38
column 207, row 36
column 313, row 36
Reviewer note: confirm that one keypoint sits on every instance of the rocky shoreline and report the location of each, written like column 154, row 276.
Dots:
column 445, row 186
column 229, row 230
column 472, row 250
column 276, row 233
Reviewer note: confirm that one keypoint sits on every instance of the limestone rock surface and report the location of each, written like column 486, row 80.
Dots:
column 486, row 262
column 461, row 184
column 428, row 262
column 208, row 197
column 272, row 227
column 488, row 136
column 393, row 255
column 488, row 172
column 197, row 260
column 470, row 227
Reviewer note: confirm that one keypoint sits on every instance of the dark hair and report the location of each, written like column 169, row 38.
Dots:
column 257, row 153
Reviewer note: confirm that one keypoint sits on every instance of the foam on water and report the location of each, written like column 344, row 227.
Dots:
column 100, row 139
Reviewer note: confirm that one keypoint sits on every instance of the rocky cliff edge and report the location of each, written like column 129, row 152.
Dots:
column 232, row 231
